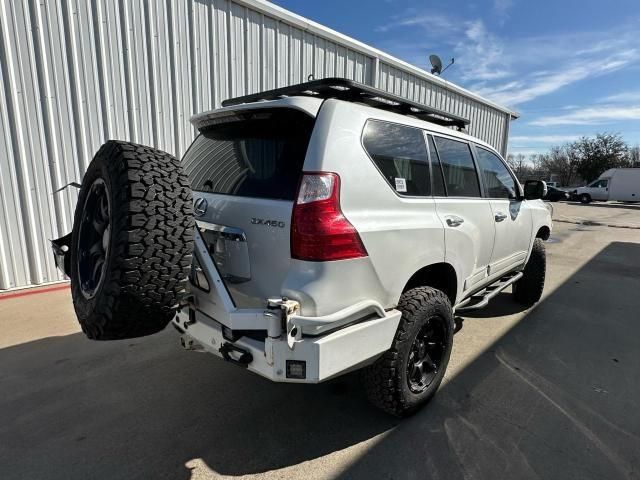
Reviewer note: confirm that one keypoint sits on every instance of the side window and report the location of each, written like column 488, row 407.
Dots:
column 600, row 184
column 438, row 179
column 498, row 181
column 400, row 154
column 460, row 175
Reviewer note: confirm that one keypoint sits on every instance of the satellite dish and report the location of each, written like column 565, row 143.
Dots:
column 436, row 64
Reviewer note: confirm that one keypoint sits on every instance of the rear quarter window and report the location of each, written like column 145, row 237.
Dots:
column 400, row 154
column 260, row 155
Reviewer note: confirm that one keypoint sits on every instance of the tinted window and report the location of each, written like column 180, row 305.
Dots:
column 438, row 179
column 460, row 174
column 498, row 182
column 259, row 156
column 400, row 154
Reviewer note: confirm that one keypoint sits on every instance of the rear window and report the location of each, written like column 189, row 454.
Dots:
column 460, row 175
column 260, row 155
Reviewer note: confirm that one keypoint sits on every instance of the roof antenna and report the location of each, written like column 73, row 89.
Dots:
column 436, row 65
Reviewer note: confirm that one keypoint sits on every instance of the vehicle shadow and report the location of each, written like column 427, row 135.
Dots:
column 72, row 408
column 556, row 397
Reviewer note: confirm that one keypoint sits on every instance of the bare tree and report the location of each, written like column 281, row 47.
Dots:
column 634, row 156
column 518, row 164
column 562, row 161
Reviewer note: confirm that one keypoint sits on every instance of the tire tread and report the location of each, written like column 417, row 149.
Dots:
column 152, row 243
column 383, row 379
column 528, row 290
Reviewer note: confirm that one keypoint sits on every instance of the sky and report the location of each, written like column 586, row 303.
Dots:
column 570, row 68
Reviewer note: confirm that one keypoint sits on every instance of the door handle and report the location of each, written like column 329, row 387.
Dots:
column 499, row 216
column 454, row 221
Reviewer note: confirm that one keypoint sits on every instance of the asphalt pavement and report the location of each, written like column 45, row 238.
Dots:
column 549, row 392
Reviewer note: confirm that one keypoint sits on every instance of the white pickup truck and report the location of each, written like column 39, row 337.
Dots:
column 308, row 231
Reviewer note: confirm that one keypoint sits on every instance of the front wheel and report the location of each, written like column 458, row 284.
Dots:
column 585, row 198
column 407, row 376
column 528, row 290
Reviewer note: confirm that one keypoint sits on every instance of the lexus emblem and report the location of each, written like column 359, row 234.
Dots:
column 200, row 207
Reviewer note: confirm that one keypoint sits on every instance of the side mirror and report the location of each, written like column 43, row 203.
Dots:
column 535, row 189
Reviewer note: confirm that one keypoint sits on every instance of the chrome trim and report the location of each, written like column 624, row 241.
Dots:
column 454, row 220
column 230, row 233
column 200, row 206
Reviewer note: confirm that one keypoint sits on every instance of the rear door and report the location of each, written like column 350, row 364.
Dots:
column 244, row 171
column 466, row 216
column 511, row 217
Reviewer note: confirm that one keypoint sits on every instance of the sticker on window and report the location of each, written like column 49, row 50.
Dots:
column 401, row 185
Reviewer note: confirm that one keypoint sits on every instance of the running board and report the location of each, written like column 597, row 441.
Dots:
column 482, row 297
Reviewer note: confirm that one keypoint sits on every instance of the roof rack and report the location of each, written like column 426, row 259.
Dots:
column 351, row 91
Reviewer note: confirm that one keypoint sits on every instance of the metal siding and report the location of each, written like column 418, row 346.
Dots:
column 75, row 73
column 330, row 60
column 269, row 53
column 482, row 115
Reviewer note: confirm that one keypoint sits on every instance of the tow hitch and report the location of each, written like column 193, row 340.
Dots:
column 288, row 308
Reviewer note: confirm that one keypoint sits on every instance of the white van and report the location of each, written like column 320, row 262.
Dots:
column 617, row 184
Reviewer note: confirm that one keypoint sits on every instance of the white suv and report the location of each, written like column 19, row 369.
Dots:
column 337, row 228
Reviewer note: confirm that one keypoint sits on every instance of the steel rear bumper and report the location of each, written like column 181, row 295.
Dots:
column 328, row 345
column 323, row 356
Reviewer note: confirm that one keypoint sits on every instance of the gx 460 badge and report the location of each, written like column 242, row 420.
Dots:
column 267, row 223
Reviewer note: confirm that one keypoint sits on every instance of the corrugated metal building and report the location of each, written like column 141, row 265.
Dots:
column 75, row 73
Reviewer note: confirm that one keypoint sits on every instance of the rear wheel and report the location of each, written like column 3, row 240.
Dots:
column 528, row 290
column 132, row 242
column 408, row 375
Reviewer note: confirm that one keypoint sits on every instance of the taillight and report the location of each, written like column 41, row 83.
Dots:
column 319, row 230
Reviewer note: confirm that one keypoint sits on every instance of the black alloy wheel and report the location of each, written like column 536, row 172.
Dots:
column 94, row 238
column 426, row 354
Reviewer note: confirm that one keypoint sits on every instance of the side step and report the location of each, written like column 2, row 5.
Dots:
column 481, row 299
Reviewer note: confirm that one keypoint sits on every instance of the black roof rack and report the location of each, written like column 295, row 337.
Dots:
column 351, row 91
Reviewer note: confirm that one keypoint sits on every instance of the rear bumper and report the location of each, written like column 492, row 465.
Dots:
column 272, row 340
column 278, row 359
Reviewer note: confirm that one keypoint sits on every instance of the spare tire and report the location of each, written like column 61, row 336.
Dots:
column 132, row 242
